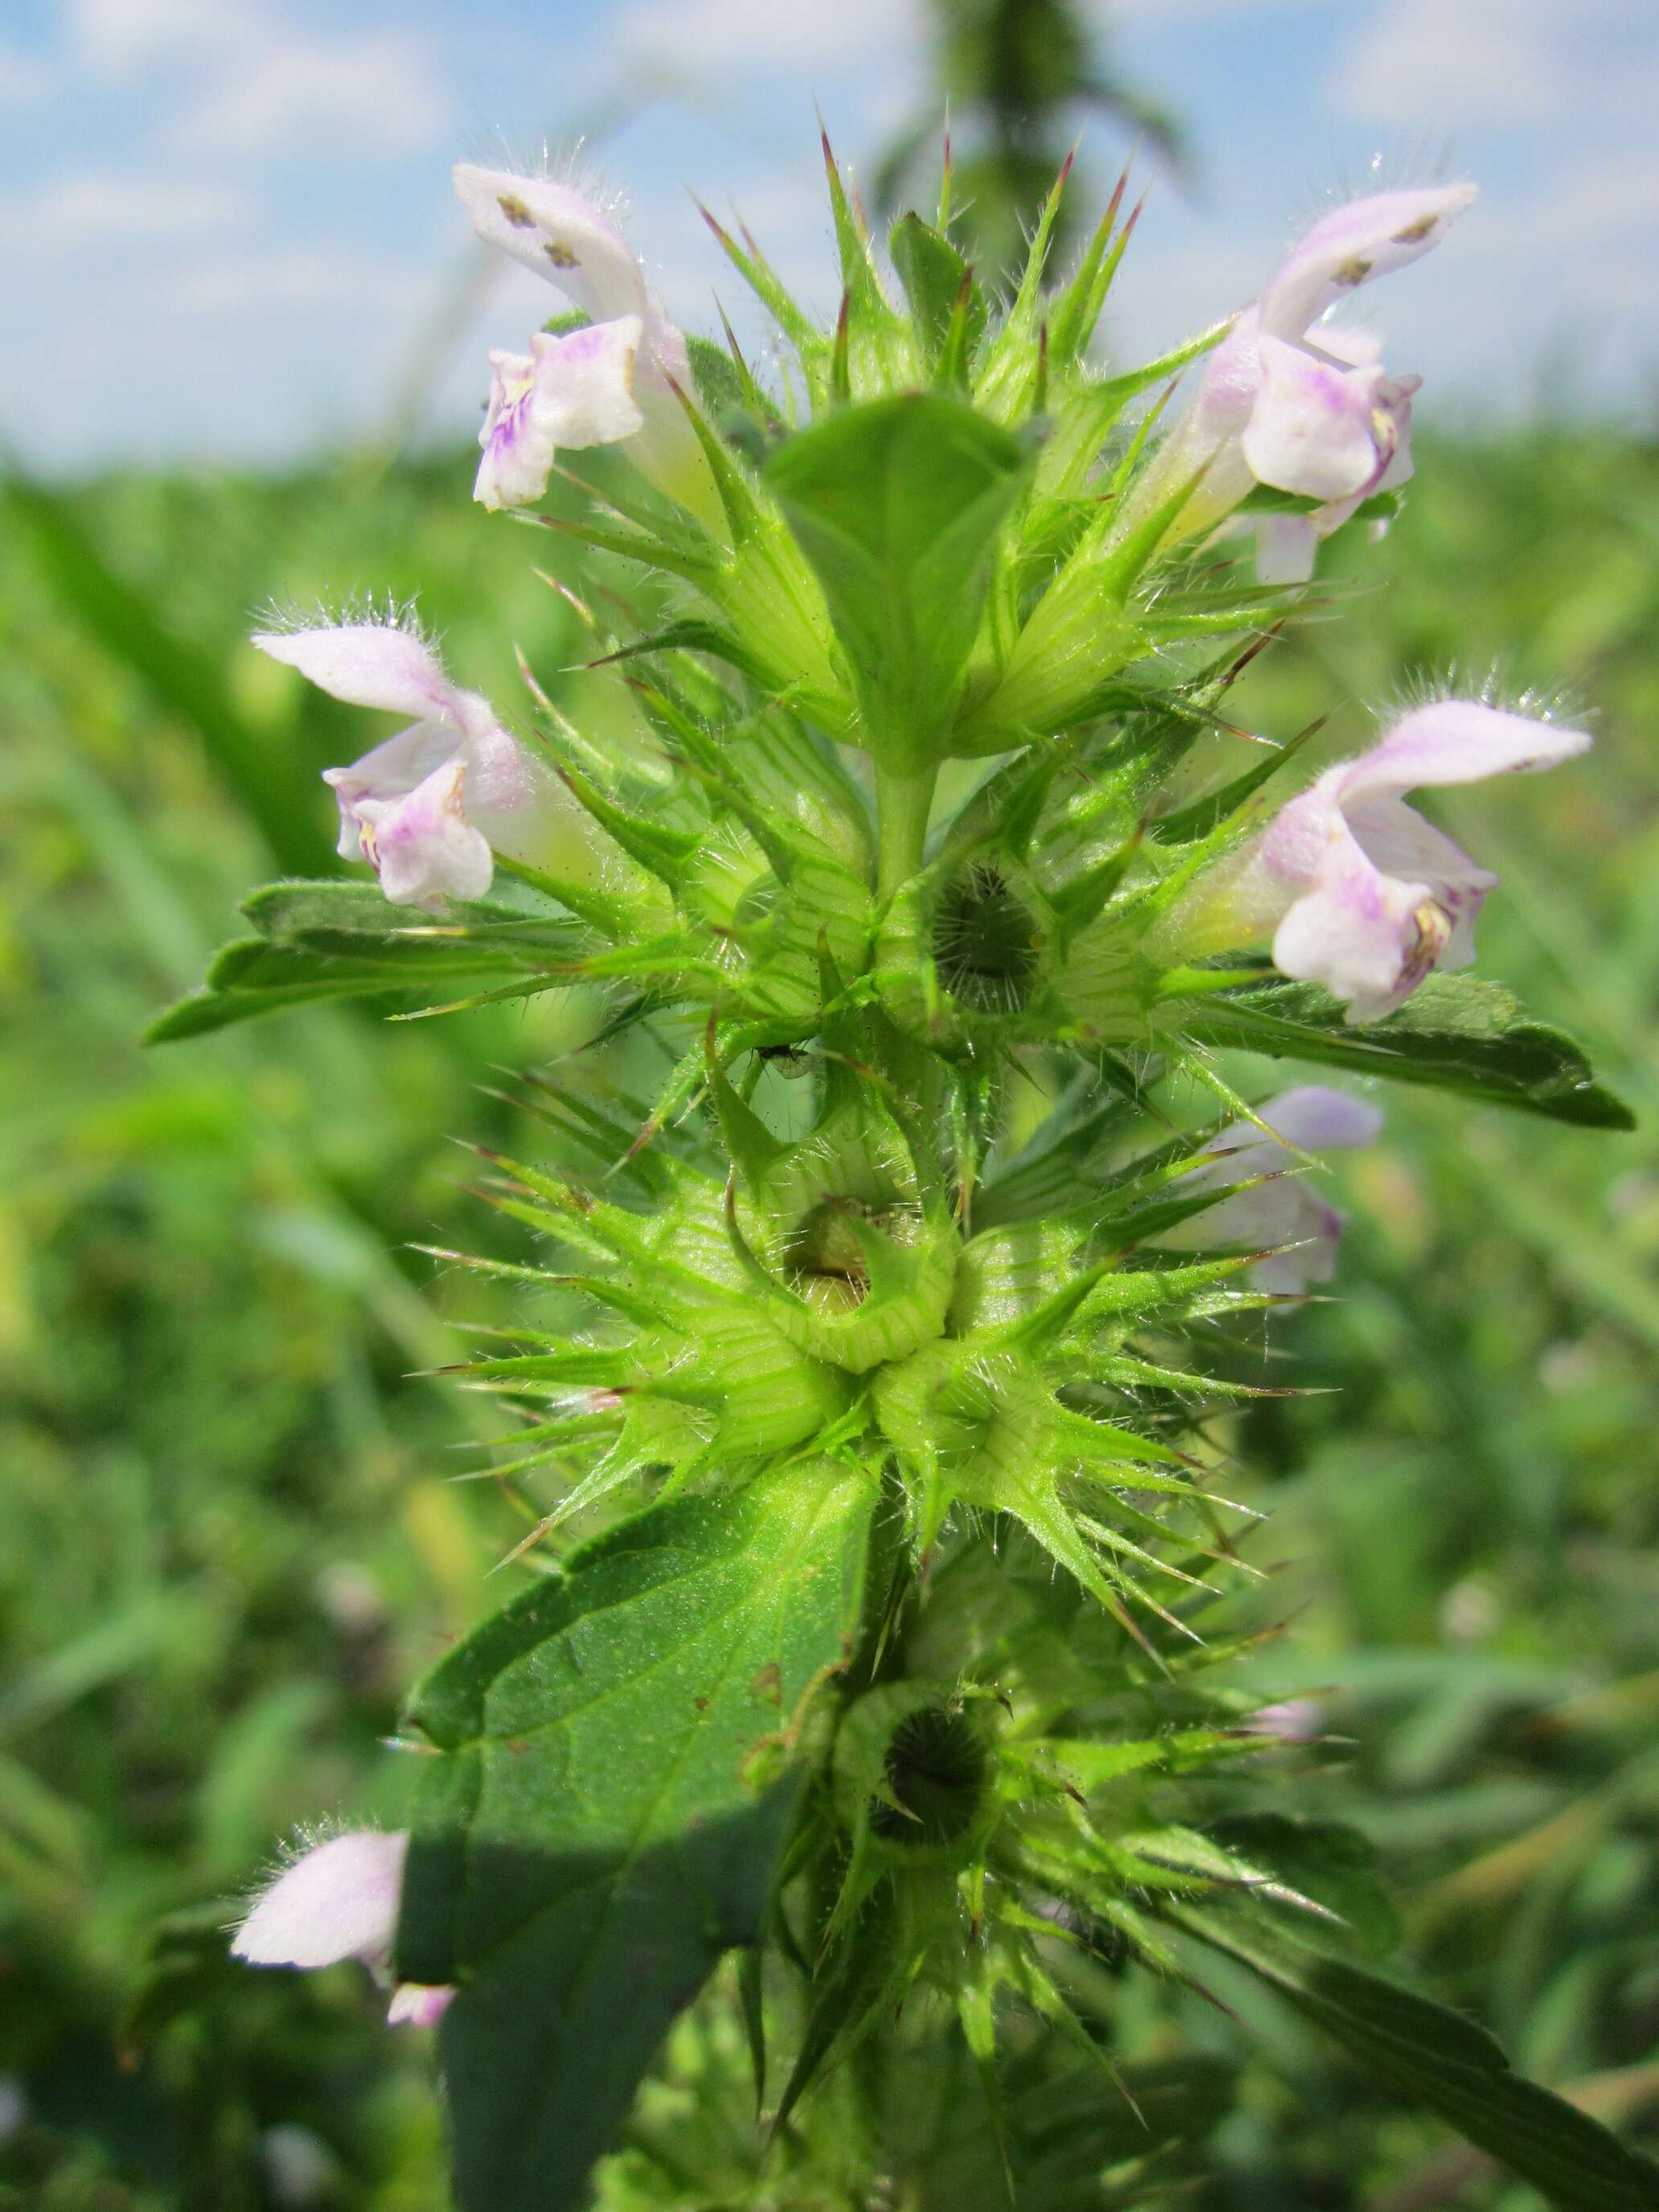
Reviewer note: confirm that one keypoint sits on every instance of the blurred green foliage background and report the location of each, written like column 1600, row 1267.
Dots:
column 231, row 1534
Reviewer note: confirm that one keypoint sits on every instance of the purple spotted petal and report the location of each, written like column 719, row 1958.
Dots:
column 1365, row 239
column 339, row 1901
column 560, row 234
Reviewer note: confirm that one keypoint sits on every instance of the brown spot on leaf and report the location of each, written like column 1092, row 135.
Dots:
column 768, row 1683
column 701, row 1703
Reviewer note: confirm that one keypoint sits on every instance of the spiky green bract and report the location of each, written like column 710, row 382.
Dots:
column 858, row 1352
column 830, row 1294
column 1014, row 1794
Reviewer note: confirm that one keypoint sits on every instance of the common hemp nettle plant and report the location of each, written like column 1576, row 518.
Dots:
column 857, row 1763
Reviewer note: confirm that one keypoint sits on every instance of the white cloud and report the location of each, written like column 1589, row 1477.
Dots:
column 251, row 80
column 1480, row 64
column 295, row 277
column 108, row 208
column 763, row 34
column 23, row 77
column 1152, row 12
column 119, row 38
column 367, row 92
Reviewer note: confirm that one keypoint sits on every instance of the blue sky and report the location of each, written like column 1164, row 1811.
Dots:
column 226, row 230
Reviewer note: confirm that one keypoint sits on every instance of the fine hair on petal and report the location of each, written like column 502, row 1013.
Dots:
column 292, row 617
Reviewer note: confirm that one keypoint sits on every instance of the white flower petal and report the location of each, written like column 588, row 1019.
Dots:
column 340, row 1900
column 1348, row 342
column 1396, row 839
column 1287, row 1209
column 518, row 456
column 573, row 391
column 419, row 2004
column 1307, row 434
column 385, row 773
column 423, row 847
column 1285, row 546
column 1367, row 938
column 1378, row 897
column 1458, row 741
column 368, row 664
column 1315, row 1119
column 585, row 382
column 1314, row 428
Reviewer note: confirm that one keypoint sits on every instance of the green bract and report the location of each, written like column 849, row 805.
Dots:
column 872, row 1390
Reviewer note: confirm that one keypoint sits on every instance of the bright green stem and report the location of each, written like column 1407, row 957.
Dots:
column 1204, row 982
column 903, row 804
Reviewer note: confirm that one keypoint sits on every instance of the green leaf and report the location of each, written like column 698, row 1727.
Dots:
column 898, row 506
column 1441, row 2060
column 606, row 1814
column 1454, row 1033
column 320, row 941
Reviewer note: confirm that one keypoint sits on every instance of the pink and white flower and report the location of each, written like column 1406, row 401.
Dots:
column 1358, row 891
column 572, row 391
column 1289, row 403
column 613, row 382
column 1286, row 1210
column 338, row 1900
column 431, row 808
